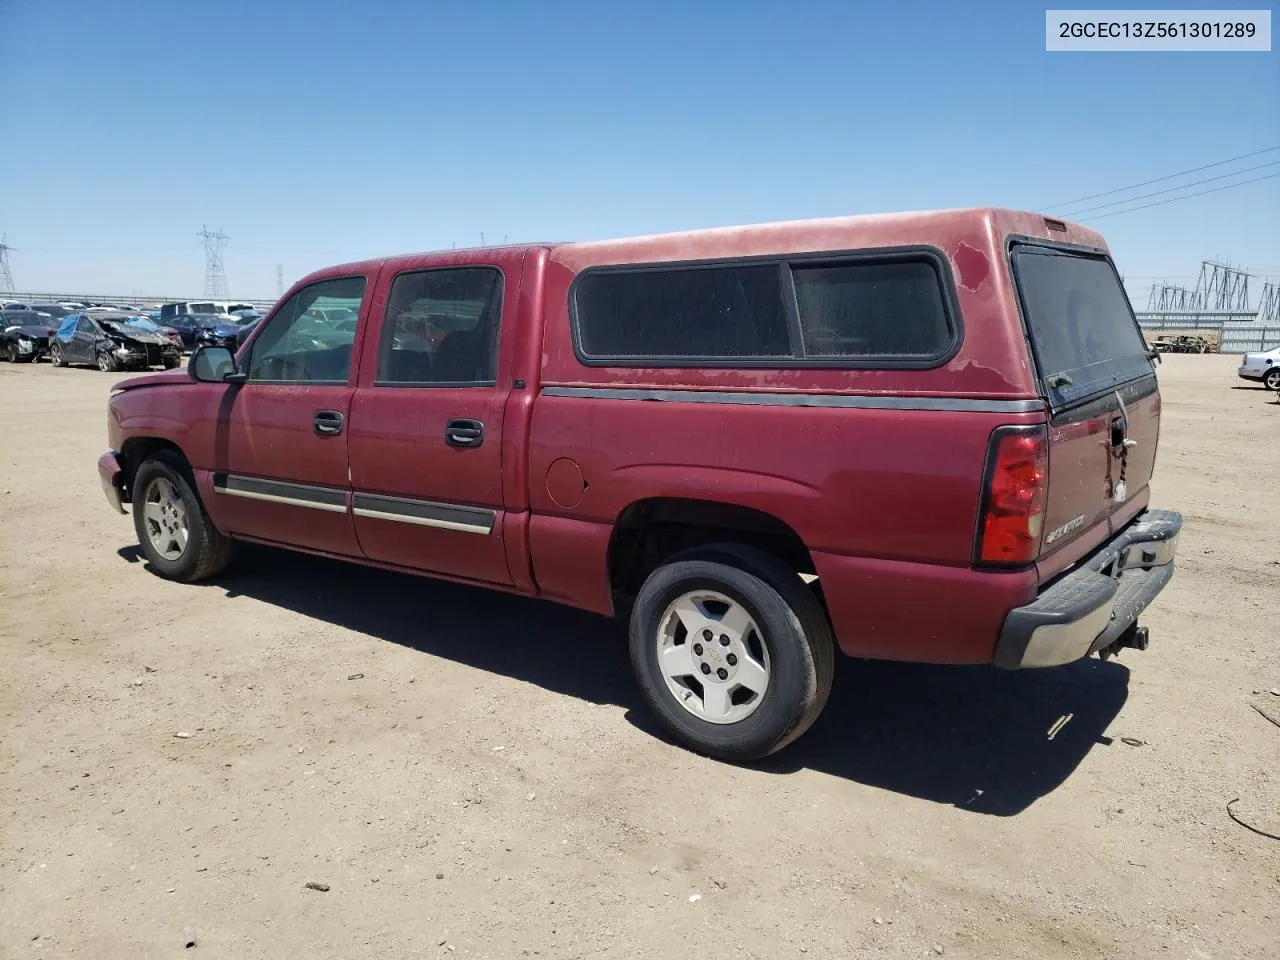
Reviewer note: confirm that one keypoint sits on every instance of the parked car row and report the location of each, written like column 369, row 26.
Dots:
column 118, row 338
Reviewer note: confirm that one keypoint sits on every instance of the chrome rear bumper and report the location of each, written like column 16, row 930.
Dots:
column 1090, row 607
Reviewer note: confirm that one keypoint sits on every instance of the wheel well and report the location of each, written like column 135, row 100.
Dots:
column 136, row 450
column 649, row 532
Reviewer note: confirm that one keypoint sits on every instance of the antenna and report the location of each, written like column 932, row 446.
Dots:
column 215, row 277
column 6, row 276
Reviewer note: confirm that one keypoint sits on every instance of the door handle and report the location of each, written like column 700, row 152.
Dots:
column 327, row 423
column 464, row 433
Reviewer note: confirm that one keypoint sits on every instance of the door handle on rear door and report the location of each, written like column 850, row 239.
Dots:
column 327, row 423
column 464, row 433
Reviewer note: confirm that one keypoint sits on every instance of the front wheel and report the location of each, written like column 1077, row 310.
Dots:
column 107, row 362
column 732, row 650
column 1272, row 379
column 11, row 352
column 174, row 531
column 170, row 362
column 55, row 354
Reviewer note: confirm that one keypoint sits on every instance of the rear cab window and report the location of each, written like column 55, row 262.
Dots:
column 882, row 310
column 1084, row 336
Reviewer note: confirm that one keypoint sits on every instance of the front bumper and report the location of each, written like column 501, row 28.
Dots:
column 1089, row 608
column 112, row 477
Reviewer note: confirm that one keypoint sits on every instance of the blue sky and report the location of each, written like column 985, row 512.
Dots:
column 314, row 131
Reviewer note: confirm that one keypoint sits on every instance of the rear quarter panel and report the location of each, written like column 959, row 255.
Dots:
column 885, row 499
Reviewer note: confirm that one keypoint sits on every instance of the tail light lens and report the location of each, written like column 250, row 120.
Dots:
column 1014, row 499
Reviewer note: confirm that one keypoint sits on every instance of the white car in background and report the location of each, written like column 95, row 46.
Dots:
column 1264, row 367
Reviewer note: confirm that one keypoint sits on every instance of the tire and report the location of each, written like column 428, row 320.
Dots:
column 107, row 363
column 55, row 354
column 205, row 552
column 11, row 352
column 791, row 639
column 171, row 363
column 1271, row 379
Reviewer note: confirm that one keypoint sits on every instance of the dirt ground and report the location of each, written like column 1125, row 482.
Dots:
column 474, row 775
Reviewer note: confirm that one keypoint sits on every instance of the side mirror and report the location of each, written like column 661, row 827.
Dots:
column 213, row 365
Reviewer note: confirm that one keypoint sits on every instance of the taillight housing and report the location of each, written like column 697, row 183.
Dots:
column 1013, row 498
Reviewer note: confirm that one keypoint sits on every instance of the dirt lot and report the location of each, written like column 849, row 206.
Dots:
column 491, row 787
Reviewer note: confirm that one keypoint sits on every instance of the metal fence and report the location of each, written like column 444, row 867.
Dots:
column 1244, row 339
column 1238, row 331
column 116, row 299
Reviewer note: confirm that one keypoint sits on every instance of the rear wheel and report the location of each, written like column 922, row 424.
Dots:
column 733, row 652
column 1272, row 379
column 174, row 531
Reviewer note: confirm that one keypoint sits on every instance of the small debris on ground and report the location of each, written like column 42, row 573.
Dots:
column 531, row 796
column 499, row 748
column 313, row 885
column 719, row 882
column 695, row 898
column 1133, row 741
column 937, row 948
column 182, row 735
column 652, row 871
column 1275, row 691
column 355, row 676
column 149, row 669
column 439, row 876
column 878, row 920
column 188, row 938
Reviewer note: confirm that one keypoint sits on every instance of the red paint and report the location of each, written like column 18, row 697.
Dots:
column 885, row 500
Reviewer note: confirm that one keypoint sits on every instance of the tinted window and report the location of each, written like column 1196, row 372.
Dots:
column 869, row 309
column 730, row 311
column 309, row 339
column 441, row 326
column 1082, row 329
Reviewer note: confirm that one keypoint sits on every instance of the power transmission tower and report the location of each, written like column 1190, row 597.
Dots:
column 1167, row 297
column 215, row 277
column 1269, row 308
column 6, row 276
column 279, row 281
column 1221, row 287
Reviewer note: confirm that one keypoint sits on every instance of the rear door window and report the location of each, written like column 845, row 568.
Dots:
column 1083, row 331
column 441, row 327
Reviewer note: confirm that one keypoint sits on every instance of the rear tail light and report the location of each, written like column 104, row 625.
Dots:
column 1013, row 500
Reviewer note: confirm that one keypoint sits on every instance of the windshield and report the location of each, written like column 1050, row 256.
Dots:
column 1082, row 328
column 205, row 308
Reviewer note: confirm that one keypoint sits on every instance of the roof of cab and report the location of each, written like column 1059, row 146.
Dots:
column 937, row 228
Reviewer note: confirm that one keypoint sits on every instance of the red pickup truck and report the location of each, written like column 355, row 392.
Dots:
column 919, row 436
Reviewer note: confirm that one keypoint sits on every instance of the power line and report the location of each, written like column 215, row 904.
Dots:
column 1184, row 186
column 1171, row 176
column 1161, row 203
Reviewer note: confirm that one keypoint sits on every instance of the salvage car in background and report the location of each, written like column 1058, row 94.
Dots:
column 189, row 326
column 113, row 341
column 1263, row 367
column 27, row 340
column 224, row 332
